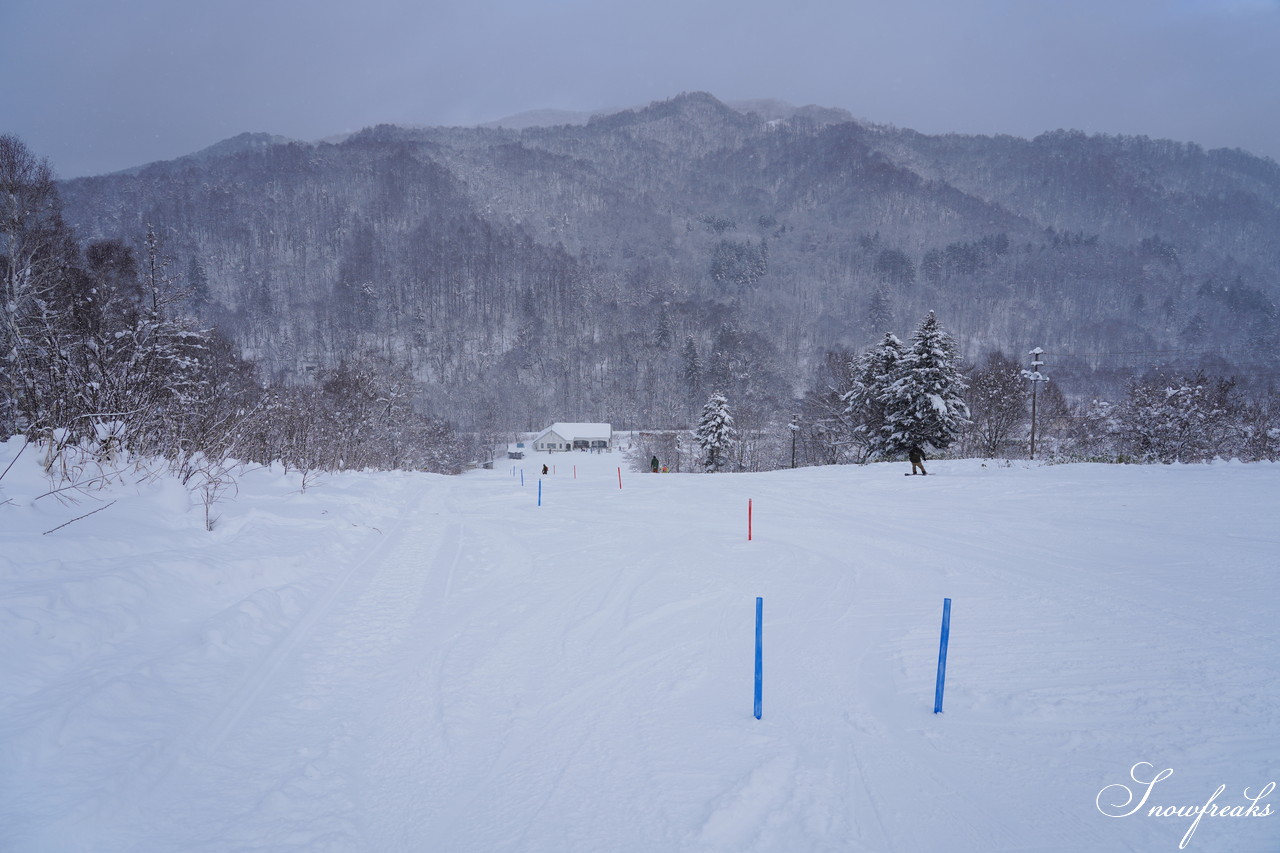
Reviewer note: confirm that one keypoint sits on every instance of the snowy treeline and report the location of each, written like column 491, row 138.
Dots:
column 1178, row 419
column 101, row 359
column 867, row 404
column 877, row 405
column 623, row 269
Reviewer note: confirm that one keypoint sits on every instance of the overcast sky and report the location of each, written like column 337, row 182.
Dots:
column 98, row 86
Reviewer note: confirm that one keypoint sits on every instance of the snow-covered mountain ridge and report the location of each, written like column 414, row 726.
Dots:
column 561, row 268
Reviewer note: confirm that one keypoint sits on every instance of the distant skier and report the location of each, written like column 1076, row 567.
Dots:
column 916, row 455
column 544, row 470
column 653, row 465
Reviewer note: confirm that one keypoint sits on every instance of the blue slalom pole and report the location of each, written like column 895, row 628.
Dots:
column 942, row 655
column 759, row 654
column 522, row 476
column 539, row 493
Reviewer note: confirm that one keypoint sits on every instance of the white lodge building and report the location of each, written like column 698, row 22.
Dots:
column 575, row 437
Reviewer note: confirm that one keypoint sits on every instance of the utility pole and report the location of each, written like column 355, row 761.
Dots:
column 1036, row 377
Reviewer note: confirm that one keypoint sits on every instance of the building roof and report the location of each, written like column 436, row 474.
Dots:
column 578, row 431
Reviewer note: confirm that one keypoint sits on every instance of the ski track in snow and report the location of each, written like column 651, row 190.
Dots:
column 492, row 675
column 304, row 708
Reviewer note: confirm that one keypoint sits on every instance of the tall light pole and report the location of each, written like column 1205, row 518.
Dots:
column 1036, row 377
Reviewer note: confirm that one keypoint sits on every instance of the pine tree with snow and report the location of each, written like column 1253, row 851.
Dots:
column 873, row 371
column 923, row 405
column 715, row 433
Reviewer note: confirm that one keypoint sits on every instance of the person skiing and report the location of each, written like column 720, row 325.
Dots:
column 916, row 455
column 653, row 465
column 544, row 470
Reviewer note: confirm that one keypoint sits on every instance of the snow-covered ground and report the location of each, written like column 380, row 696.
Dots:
column 399, row 662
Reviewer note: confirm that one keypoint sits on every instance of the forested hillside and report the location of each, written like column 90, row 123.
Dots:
column 624, row 268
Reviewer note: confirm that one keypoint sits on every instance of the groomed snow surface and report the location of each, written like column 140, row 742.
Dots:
column 401, row 662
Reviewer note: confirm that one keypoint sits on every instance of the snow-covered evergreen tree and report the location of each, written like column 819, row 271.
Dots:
column 923, row 405
column 873, row 372
column 715, row 433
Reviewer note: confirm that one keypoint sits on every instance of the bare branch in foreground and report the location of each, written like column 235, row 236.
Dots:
column 74, row 520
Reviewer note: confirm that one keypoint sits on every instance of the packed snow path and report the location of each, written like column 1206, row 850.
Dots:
column 460, row 669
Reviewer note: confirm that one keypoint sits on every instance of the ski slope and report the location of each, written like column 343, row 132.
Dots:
column 401, row 662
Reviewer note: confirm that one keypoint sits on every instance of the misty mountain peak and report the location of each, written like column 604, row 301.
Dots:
column 240, row 143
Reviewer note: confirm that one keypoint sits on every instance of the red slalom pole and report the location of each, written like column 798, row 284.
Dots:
column 619, row 478
column 748, row 519
column 575, row 472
